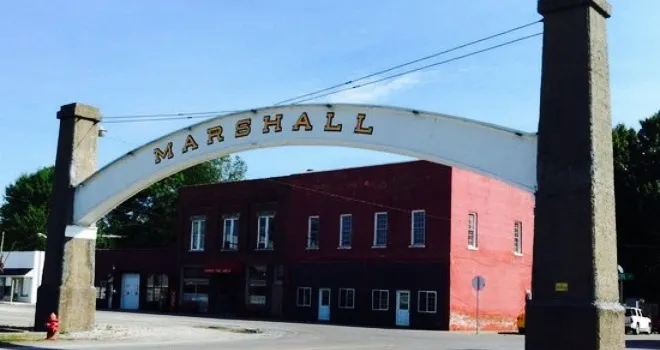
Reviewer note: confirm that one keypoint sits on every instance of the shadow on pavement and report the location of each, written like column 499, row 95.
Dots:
column 643, row 344
column 5, row 345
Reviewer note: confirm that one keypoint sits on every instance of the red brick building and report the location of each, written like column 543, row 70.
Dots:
column 389, row 245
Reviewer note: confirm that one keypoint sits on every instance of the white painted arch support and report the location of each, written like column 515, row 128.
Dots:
column 505, row 154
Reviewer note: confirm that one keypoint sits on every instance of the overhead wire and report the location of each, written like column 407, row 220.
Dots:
column 393, row 76
column 333, row 89
column 387, row 70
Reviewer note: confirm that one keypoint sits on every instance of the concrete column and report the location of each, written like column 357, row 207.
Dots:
column 574, row 278
column 67, row 287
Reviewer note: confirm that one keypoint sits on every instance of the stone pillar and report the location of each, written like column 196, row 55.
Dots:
column 574, row 280
column 67, row 287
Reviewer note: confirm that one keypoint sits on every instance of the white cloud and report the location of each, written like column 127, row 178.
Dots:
column 376, row 92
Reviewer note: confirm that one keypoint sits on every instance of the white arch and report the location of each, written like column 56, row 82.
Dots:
column 491, row 150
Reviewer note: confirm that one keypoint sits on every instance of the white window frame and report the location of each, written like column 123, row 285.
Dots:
column 305, row 290
column 419, row 302
column 474, row 243
column 268, row 229
column 197, row 239
column 341, row 231
column 412, row 228
column 517, row 237
column 375, row 243
column 342, row 303
column 234, row 231
column 309, row 232
column 387, row 305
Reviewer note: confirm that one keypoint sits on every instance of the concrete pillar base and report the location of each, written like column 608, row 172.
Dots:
column 76, row 307
column 571, row 322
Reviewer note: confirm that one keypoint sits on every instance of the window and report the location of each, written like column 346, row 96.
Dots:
column 265, row 232
column 345, row 230
column 257, row 290
column 230, row 233
column 304, row 297
column 313, row 232
column 473, row 238
column 380, row 229
column 517, row 237
column 380, row 300
column 157, row 288
column 197, row 233
column 427, row 302
column 418, row 223
column 346, row 298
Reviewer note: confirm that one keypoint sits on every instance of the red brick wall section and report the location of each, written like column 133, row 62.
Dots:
column 398, row 189
column 508, row 276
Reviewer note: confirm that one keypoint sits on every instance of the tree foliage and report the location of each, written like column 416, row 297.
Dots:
column 146, row 220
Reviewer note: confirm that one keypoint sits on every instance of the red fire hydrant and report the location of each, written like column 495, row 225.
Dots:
column 52, row 327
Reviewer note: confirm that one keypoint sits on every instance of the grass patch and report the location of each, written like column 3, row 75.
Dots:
column 19, row 337
column 233, row 329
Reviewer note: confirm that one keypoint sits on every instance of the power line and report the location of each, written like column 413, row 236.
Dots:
column 310, row 96
column 143, row 120
column 411, row 62
column 163, row 115
column 389, row 77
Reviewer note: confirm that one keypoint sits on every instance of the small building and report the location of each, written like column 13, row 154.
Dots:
column 394, row 245
column 21, row 276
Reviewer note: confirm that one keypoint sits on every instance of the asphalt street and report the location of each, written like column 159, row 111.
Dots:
column 276, row 336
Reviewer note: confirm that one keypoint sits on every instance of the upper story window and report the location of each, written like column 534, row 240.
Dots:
column 313, row 232
column 473, row 234
column 265, row 231
column 197, row 233
column 517, row 237
column 345, row 230
column 418, row 231
column 380, row 229
column 230, row 233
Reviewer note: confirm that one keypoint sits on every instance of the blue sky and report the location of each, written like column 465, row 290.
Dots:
column 153, row 56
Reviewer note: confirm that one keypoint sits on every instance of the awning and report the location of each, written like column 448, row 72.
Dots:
column 9, row 272
column 224, row 267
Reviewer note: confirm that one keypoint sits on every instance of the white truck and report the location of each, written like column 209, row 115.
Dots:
column 636, row 322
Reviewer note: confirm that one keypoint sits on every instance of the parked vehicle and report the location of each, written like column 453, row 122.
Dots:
column 636, row 322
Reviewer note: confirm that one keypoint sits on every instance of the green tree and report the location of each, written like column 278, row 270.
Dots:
column 148, row 219
column 145, row 220
column 25, row 211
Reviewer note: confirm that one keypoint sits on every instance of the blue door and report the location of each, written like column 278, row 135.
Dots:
column 403, row 308
column 324, row 304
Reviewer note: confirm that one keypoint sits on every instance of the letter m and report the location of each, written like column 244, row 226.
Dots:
column 160, row 154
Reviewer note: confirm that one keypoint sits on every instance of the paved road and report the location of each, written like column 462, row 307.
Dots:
column 277, row 336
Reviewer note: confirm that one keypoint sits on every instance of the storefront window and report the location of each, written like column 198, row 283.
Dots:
column 257, row 286
column 196, row 292
column 157, row 286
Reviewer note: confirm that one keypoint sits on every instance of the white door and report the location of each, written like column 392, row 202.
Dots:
column 324, row 304
column 130, row 291
column 403, row 308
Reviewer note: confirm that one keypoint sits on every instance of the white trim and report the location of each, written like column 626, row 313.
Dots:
column 267, row 232
column 303, row 304
column 518, row 230
column 339, row 302
column 475, row 244
column 387, row 292
column 234, row 219
column 435, row 301
column 341, row 231
column 202, row 234
column 375, row 244
column 412, row 229
column 81, row 232
column 309, row 231
column 500, row 153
